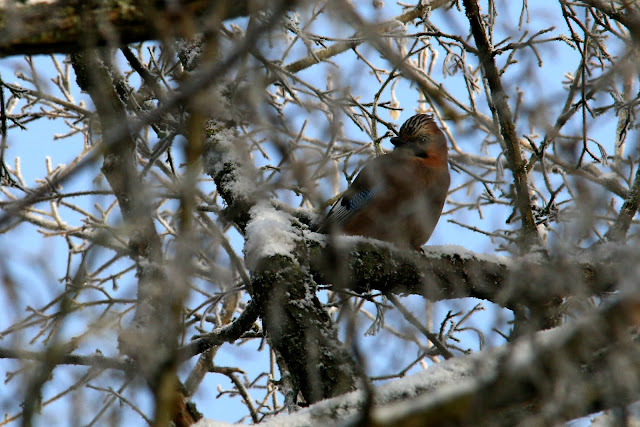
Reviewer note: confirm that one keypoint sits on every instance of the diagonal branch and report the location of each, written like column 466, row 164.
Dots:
column 627, row 15
column 529, row 237
column 228, row 333
column 620, row 227
column 561, row 374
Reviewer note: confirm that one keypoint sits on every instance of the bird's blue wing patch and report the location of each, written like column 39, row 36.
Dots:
column 359, row 200
column 345, row 208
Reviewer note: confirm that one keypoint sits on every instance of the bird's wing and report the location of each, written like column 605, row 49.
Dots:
column 345, row 208
column 364, row 188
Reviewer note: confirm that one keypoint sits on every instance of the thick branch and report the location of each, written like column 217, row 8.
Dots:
column 582, row 359
column 61, row 26
column 54, row 27
column 297, row 325
column 300, row 329
column 456, row 273
column 119, row 168
column 95, row 77
column 569, row 372
column 156, row 323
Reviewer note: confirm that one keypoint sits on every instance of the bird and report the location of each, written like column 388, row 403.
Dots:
column 397, row 197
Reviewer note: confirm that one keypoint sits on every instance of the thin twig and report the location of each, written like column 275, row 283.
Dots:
column 444, row 351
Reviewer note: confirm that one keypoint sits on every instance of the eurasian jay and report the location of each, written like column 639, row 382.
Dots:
column 397, row 197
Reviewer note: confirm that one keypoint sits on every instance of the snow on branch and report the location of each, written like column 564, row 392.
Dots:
column 453, row 272
column 567, row 372
column 269, row 233
column 227, row 161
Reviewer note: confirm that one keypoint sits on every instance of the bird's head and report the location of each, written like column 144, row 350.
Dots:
column 420, row 136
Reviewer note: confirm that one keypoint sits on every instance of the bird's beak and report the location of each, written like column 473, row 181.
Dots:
column 397, row 141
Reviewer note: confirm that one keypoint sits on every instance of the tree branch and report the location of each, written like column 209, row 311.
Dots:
column 156, row 324
column 530, row 237
column 562, row 373
column 295, row 322
column 453, row 272
column 228, row 333
column 60, row 26
column 620, row 227
column 96, row 360
column 530, row 373
column 300, row 329
column 629, row 17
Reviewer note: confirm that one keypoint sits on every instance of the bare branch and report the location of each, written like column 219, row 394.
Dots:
column 530, row 237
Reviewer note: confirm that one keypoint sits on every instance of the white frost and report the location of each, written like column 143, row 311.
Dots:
column 437, row 382
column 442, row 382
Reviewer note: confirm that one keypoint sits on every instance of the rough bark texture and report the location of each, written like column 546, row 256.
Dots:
column 61, row 27
column 532, row 372
column 284, row 291
column 294, row 320
column 556, row 375
column 301, row 330
column 443, row 275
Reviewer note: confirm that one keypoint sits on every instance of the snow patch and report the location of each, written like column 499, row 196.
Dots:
column 348, row 242
column 269, row 233
column 222, row 140
column 437, row 382
column 226, row 150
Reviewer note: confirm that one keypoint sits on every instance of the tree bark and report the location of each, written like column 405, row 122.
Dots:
column 62, row 26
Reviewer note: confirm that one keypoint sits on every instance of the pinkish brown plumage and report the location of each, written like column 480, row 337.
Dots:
column 398, row 197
